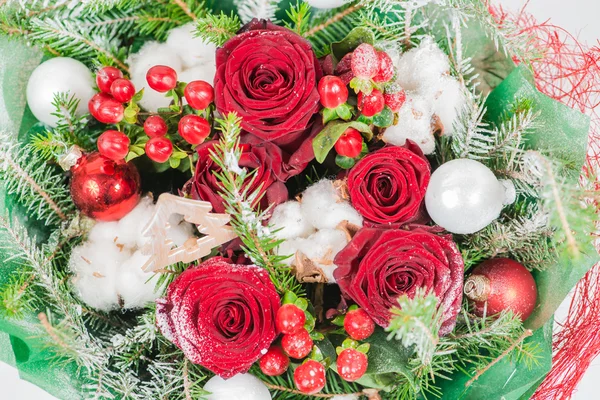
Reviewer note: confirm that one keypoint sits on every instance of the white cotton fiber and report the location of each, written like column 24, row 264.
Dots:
column 193, row 51
column 131, row 225
column 421, row 68
column 133, row 285
column 322, row 247
column 200, row 73
column 288, row 248
column 449, row 103
column 414, row 123
column 323, row 207
column 290, row 221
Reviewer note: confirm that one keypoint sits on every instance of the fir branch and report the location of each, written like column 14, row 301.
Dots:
column 332, row 26
column 261, row 9
column 15, row 301
column 186, row 8
column 299, row 15
column 217, row 29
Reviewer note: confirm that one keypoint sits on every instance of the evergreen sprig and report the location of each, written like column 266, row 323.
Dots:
column 261, row 9
column 217, row 29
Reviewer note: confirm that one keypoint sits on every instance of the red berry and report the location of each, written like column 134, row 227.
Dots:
column 310, row 377
column 161, row 78
column 122, row 90
column 371, row 104
column 358, row 324
column 290, row 319
column 199, row 94
column 106, row 109
column 385, row 70
column 349, row 144
column 155, row 126
column 113, row 145
column 275, row 362
column 395, row 100
column 106, row 76
column 352, row 364
column 194, row 129
column 333, row 91
column 365, row 62
column 159, row 149
column 297, row 345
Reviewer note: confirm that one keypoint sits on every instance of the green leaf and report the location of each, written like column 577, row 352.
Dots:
column 338, row 320
column 316, row 336
column 329, row 114
column 364, row 119
column 344, row 111
column 289, row 298
column 174, row 162
column 356, row 37
column 309, row 325
column 138, row 96
column 301, row 303
column 326, row 139
column 364, row 348
column 361, row 85
column 385, row 118
column 344, row 162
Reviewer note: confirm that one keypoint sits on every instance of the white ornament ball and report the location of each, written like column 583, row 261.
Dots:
column 326, row 4
column 58, row 75
column 464, row 196
column 238, row 387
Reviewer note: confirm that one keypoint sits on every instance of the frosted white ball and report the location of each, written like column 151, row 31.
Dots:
column 464, row 196
column 238, row 387
column 327, row 4
column 57, row 75
column 192, row 50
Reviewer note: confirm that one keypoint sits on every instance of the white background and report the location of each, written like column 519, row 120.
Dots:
column 580, row 17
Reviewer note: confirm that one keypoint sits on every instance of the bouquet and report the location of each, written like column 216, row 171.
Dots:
column 261, row 199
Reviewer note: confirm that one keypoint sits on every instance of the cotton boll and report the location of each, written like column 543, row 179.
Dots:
column 131, row 226
column 238, row 387
column 136, row 287
column 421, row 68
column 322, row 247
column 289, row 247
column 104, row 232
column 289, row 219
column 325, row 209
column 192, row 50
column 449, row 103
column 414, row 123
column 200, row 73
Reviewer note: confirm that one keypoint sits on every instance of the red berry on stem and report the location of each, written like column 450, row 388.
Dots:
column 371, row 104
column 161, row 78
column 113, row 145
column 290, row 319
column 106, row 76
column 365, row 62
column 199, row 94
column 274, row 362
column 358, row 324
column 122, row 90
column 395, row 101
column 194, row 129
column 297, row 345
column 155, row 126
column 385, row 69
column 503, row 284
column 333, row 91
column 106, row 109
column 310, row 377
column 349, row 144
column 159, row 149
column 352, row 364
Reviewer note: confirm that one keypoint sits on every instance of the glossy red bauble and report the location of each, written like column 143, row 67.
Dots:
column 199, row 94
column 155, row 126
column 161, row 78
column 395, row 101
column 310, row 377
column 104, row 189
column 122, row 90
column 297, row 345
column 290, row 319
column 194, row 129
column 349, row 144
column 113, row 145
column 358, row 324
column 332, row 91
column 159, row 149
column 365, row 62
column 106, row 109
column 106, row 76
column 352, row 364
column 502, row 284
column 386, row 67
column 371, row 104
column 275, row 362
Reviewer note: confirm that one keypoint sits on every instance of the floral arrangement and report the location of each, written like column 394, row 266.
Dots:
column 261, row 199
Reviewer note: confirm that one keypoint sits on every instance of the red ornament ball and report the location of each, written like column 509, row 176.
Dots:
column 503, row 284
column 349, row 144
column 310, row 377
column 113, row 145
column 386, row 67
column 332, row 91
column 106, row 76
column 358, row 324
column 290, row 319
column 122, row 90
column 352, row 364
column 199, row 94
column 106, row 109
column 275, row 362
column 371, row 104
column 395, row 101
column 159, row 149
column 194, row 129
column 161, row 78
column 365, row 61
column 297, row 345
column 155, row 126
column 103, row 189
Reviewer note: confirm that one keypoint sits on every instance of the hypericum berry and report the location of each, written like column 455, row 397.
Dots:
column 371, row 104
column 199, row 94
column 333, row 91
column 122, row 90
column 161, row 78
column 194, row 129
column 113, row 145
column 358, row 324
column 352, row 364
column 297, row 345
column 159, row 149
column 289, row 319
column 310, row 377
column 106, row 76
column 385, row 70
column 106, row 109
column 395, row 101
column 155, row 126
column 274, row 362
column 349, row 144
column 365, row 62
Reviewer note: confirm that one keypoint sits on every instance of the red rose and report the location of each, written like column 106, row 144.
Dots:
column 221, row 315
column 388, row 185
column 379, row 265
column 265, row 159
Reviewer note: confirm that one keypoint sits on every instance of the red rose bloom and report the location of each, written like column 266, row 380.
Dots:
column 379, row 265
column 221, row 315
column 388, row 185
column 264, row 158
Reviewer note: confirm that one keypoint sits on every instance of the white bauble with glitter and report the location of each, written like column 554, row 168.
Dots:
column 327, row 4
column 238, row 387
column 58, row 75
column 464, row 196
